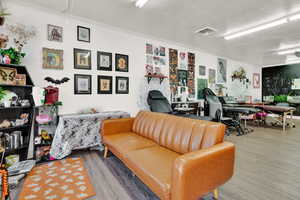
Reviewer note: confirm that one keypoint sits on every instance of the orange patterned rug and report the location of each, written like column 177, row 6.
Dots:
column 59, row 180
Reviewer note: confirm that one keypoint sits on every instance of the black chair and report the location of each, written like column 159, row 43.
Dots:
column 214, row 109
column 159, row 103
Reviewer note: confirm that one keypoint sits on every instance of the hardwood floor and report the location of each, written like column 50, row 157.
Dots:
column 267, row 168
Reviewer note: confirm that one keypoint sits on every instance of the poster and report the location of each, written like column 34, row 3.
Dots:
column 211, row 76
column 201, row 83
column 183, row 60
column 222, row 71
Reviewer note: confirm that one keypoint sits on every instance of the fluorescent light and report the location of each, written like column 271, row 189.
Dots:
column 294, row 17
column 256, row 29
column 286, row 52
column 140, row 3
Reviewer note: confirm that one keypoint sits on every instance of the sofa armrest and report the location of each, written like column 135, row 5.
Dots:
column 200, row 172
column 115, row 126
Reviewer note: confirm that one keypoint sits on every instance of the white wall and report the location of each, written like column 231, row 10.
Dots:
column 105, row 39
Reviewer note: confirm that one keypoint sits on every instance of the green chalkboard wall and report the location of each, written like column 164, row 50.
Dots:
column 278, row 80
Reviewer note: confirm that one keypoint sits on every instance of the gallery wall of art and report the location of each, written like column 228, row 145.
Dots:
column 111, row 40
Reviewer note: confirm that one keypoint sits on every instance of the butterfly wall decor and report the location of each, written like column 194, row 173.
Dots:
column 8, row 76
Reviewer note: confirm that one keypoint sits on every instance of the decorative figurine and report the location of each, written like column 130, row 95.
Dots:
column 6, row 59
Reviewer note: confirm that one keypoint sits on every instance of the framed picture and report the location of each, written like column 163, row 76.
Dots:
column 122, row 85
column 201, row 83
column 182, row 77
column 21, row 79
column 83, row 34
column 104, row 60
column 53, row 58
column 55, row 33
column 202, row 70
column 222, row 71
column 105, row 84
column 211, row 76
column 121, row 63
column 256, row 80
column 82, row 84
column 82, row 59
column 8, row 76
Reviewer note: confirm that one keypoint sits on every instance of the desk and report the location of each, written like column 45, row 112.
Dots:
column 193, row 107
column 80, row 131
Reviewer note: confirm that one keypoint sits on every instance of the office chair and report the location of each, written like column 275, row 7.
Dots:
column 214, row 109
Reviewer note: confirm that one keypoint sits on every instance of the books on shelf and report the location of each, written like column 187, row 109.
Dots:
column 12, row 141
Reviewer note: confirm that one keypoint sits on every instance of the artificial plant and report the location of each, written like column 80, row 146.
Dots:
column 13, row 54
column 2, row 93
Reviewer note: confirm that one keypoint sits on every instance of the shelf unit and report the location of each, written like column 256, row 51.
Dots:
column 14, row 112
column 40, row 150
column 151, row 76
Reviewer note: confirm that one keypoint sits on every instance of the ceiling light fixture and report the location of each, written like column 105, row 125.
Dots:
column 257, row 29
column 140, row 3
column 294, row 17
column 289, row 51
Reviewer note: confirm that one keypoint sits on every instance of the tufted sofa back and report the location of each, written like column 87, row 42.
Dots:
column 179, row 134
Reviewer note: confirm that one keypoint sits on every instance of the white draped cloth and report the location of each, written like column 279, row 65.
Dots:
column 80, row 131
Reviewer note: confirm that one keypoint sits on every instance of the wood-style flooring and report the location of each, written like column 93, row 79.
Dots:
column 267, row 168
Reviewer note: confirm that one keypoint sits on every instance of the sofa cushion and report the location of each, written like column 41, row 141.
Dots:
column 154, row 166
column 178, row 134
column 149, row 125
column 124, row 142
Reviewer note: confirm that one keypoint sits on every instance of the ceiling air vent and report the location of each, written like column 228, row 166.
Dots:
column 206, row 31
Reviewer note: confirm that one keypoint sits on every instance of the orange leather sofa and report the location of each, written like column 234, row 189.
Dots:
column 177, row 158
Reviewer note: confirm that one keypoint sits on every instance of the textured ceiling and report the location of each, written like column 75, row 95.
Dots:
column 177, row 20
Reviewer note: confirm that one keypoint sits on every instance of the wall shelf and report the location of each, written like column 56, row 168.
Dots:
column 160, row 77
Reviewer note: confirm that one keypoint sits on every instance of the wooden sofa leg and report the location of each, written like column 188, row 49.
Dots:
column 105, row 151
column 216, row 194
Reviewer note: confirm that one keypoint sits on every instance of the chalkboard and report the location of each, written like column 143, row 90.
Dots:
column 278, row 80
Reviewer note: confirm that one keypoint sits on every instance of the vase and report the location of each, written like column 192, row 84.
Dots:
column 2, row 20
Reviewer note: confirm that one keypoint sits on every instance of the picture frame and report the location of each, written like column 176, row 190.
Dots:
column 182, row 77
column 83, row 34
column 202, row 70
column 104, row 61
column 122, row 85
column 121, row 63
column 211, row 76
column 222, row 71
column 82, row 59
column 256, row 80
column 55, row 33
column 105, row 84
column 8, row 76
column 82, row 84
column 53, row 58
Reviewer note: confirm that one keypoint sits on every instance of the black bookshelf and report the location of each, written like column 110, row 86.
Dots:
column 12, row 113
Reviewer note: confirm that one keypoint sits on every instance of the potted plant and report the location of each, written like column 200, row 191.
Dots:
column 3, row 14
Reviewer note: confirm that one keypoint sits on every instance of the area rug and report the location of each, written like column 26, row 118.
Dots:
column 64, row 180
column 134, row 187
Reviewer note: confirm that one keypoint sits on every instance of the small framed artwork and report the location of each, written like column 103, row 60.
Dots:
column 83, row 34
column 82, row 59
column 122, row 85
column 55, row 33
column 105, row 84
column 104, row 61
column 53, row 58
column 256, row 80
column 121, row 63
column 202, row 70
column 8, row 75
column 82, row 84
